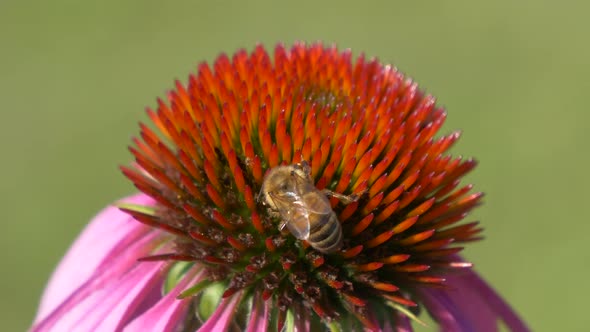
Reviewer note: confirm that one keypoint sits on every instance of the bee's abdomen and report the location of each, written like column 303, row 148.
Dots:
column 326, row 234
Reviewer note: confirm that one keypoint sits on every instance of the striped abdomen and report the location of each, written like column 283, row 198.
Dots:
column 325, row 233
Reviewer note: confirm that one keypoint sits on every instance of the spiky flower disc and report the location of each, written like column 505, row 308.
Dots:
column 363, row 127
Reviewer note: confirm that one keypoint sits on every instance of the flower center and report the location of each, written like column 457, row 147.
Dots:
column 362, row 128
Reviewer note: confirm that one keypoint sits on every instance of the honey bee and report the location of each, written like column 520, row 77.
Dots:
column 290, row 194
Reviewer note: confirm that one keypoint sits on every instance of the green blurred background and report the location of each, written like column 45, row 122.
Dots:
column 75, row 77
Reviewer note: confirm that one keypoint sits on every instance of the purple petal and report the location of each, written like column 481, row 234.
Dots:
column 108, row 230
column 402, row 324
column 500, row 307
column 370, row 317
column 445, row 312
column 166, row 315
column 222, row 317
column 469, row 305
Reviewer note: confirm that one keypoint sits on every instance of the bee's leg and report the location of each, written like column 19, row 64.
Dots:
column 346, row 199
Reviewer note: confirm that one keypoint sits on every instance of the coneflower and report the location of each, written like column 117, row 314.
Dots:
column 198, row 248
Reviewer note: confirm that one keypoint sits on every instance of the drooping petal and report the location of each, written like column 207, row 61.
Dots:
column 120, row 304
column 222, row 317
column 302, row 319
column 401, row 324
column 108, row 308
column 109, row 230
column 469, row 304
column 480, row 288
column 445, row 312
column 259, row 318
column 166, row 315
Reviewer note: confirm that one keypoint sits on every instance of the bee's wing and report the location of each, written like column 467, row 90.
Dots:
column 312, row 199
column 294, row 214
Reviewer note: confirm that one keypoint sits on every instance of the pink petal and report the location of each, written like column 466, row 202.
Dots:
column 137, row 291
column 168, row 312
column 259, row 320
column 108, row 308
column 301, row 316
column 105, row 277
column 107, row 231
column 222, row 317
